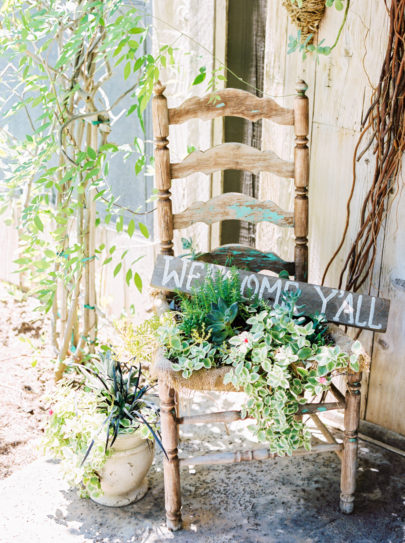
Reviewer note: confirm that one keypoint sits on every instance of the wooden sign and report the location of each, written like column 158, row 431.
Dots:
column 339, row 306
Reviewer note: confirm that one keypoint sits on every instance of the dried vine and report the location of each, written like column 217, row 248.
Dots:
column 384, row 122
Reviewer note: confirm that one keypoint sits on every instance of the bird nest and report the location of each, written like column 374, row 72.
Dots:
column 307, row 17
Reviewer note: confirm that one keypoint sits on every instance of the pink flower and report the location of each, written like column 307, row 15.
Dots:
column 246, row 340
column 50, row 412
column 322, row 380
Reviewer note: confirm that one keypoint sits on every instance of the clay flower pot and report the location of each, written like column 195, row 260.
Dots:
column 123, row 477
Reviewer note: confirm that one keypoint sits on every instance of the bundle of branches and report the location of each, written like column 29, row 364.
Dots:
column 384, row 123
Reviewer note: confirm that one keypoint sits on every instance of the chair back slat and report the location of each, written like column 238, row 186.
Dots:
column 247, row 258
column 231, row 103
column 232, row 156
column 233, row 206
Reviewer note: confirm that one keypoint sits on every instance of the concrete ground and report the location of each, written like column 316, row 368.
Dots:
column 275, row 501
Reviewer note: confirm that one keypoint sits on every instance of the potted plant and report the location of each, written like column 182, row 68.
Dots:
column 103, row 427
column 278, row 356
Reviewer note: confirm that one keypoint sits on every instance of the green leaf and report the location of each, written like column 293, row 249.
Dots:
column 38, row 223
column 136, row 30
column 199, row 79
column 138, row 281
column 91, row 153
column 144, row 230
column 119, row 225
column 128, row 276
column 131, row 228
column 304, row 353
column 117, row 269
column 302, row 371
column 127, row 70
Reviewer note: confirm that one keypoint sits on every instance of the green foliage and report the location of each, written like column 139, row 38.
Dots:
column 141, row 341
column 295, row 43
column 87, row 415
column 195, row 309
column 61, row 58
column 280, row 357
column 74, row 422
column 50, row 166
column 220, row 319
column 278, row 354
column 188, row 245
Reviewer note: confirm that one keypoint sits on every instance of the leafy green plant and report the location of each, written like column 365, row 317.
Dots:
column 89, row 409
column 122, row 399
column 75, row 421
column 60, row 60
column 195, row 309
column 220, row 320
column 277, row 360
column 278, row 355
column 204, row 320
column 141, row 341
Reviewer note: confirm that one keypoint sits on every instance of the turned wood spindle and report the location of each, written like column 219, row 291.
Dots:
column 160, row 117
column 351, row 424
column 171, row 467
column 301, row 178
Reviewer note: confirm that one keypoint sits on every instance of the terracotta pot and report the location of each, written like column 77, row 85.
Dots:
column 123, row 477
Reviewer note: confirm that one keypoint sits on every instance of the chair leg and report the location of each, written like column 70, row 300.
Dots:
column 171, row 469
column 349, row 460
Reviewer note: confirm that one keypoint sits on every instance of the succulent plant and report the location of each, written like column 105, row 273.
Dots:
column 220, row 320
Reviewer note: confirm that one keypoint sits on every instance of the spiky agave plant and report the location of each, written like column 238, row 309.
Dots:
column 122, row 399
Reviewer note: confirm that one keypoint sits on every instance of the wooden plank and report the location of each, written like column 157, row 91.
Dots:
column 339, row 306
column 386, row 398
column 233, row 103
column 249, row 456
column 232, row 156
column 233, row 205
column 247, row 258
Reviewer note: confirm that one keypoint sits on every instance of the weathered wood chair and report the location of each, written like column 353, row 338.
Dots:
column 235, row 102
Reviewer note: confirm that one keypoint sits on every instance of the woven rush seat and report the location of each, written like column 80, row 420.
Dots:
column 212, row 379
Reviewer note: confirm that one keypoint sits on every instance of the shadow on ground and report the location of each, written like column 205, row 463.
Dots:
column 276, row 501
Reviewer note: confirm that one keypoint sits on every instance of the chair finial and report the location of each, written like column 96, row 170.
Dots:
column 301, row 87
column 158, row 88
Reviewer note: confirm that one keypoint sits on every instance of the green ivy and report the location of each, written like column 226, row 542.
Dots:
column 276, row 363
column 278, row 355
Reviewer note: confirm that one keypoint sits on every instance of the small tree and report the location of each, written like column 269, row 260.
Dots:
column 60, row 56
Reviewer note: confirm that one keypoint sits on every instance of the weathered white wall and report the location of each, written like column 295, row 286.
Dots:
column 191, row 27
column 339, row 94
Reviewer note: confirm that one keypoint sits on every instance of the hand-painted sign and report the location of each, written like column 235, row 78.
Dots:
column 339, row 306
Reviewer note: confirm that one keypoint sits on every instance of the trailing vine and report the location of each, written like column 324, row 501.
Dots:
column 384, row 126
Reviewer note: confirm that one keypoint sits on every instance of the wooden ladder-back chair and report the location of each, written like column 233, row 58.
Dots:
column 240, row 103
